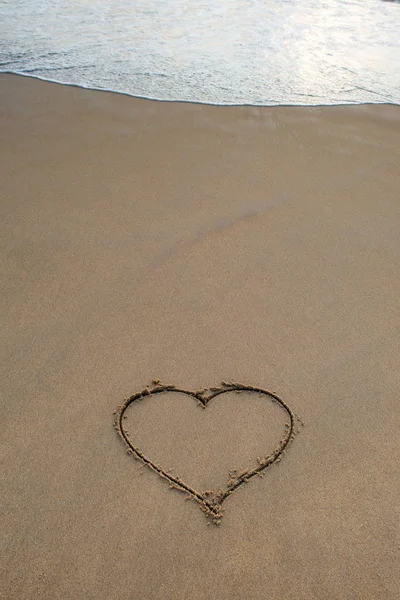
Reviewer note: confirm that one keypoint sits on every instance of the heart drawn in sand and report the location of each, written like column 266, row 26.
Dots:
column 210, row 501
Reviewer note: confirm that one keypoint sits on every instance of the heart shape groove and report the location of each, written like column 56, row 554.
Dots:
column 210, row 502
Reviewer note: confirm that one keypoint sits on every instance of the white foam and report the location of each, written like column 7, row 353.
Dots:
column 287, row 52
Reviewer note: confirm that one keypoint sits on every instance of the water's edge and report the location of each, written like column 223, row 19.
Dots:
column 189, row 101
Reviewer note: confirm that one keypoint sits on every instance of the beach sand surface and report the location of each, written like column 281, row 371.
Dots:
column 143, row 240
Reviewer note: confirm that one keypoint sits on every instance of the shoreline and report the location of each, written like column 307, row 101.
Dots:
column 175, row 101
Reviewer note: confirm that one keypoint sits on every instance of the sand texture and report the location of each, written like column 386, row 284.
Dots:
column 195, row 244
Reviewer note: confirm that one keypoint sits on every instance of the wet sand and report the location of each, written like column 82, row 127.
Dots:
column 192, row 244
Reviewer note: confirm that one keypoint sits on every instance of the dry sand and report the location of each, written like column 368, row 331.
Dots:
column 192, row 243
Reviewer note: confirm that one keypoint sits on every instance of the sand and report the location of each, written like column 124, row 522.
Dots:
column 195, row 244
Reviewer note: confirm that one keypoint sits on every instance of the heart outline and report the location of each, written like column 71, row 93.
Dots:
column 212, row 507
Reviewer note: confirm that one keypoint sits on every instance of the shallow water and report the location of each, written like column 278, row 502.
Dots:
column 231, row 52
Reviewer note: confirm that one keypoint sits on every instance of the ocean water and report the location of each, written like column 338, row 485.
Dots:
column 260, row 52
